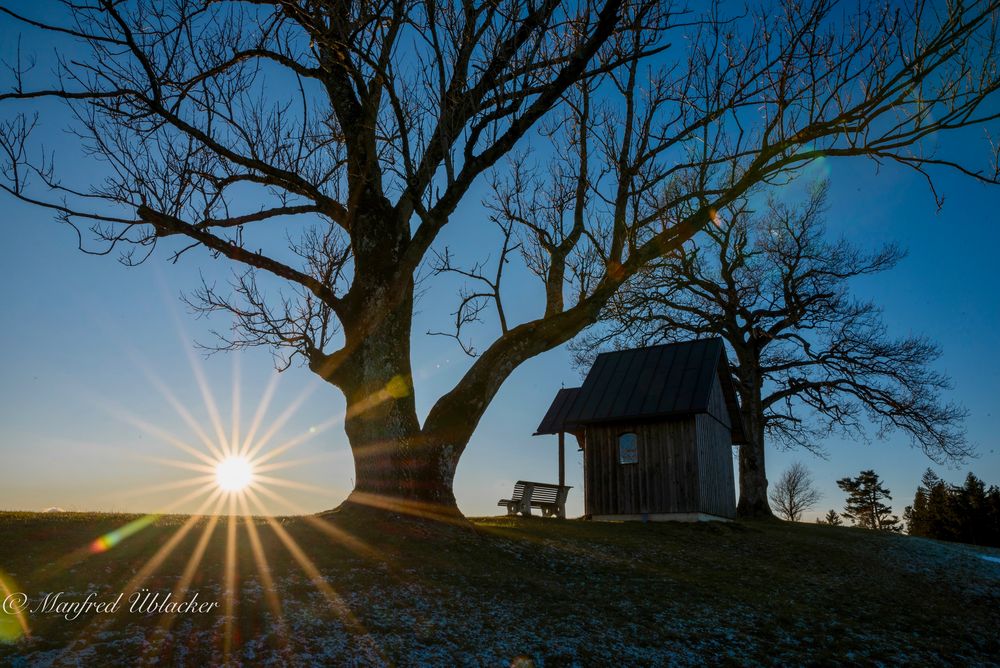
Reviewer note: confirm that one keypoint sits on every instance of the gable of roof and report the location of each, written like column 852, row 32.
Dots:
column 555, row 418
column 668, row 380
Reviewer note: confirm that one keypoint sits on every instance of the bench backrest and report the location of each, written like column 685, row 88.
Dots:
column 541, row 492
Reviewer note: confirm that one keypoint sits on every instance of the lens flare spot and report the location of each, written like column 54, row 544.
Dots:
column 233, row 474
column 112, row 538
column 13, row 623
column 398, row 387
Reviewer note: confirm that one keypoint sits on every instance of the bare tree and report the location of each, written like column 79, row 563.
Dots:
column 810, row 360
column 613, row 129
column 794, row 493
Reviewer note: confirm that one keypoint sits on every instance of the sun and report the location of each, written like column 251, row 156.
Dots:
column 233, row 474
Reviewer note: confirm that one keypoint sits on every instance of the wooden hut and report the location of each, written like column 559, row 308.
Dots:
column 656, row 426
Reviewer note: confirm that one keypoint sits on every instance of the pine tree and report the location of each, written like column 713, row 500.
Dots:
column 971, row 509
column 993, row 512
column 941, row 521
column 864, row 506
column 832, row 518
column 918, row 517
column 969, row 513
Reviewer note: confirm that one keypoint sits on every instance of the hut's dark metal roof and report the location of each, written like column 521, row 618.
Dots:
column 666, row 380
column 555, row 417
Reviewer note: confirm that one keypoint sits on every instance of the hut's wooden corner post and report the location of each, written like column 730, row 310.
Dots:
column 529, row 489
column 561, row 505
column 562, row 458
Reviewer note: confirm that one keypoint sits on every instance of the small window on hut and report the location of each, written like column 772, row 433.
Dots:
column 628, row 448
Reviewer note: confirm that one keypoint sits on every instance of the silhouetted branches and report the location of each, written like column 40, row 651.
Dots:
column 611, row 131
column 794, row 493
column 474, row 300
column 812, row 358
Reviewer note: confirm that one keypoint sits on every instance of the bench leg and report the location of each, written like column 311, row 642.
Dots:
column 526, row 499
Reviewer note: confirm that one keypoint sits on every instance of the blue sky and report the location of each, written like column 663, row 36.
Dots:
column 81, row 330
column 86, row 343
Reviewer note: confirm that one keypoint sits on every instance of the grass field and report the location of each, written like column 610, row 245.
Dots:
column 510, row 591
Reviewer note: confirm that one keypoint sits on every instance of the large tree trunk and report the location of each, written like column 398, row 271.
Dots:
column 399, row 465
column 396, row 467
column 753, row 476
column 753, row 481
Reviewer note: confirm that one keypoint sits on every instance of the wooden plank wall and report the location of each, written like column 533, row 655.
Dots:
column 665, row 480
column 717, row 403
column 715, row 459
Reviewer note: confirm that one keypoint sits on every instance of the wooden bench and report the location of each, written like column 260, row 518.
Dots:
column 549, row 498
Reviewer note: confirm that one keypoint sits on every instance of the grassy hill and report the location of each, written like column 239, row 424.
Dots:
column 547, row 592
